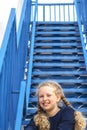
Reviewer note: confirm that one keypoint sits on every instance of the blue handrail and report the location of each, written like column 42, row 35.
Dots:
column 81, row 33
column 6, row 38
column 8, row 64
column 20, row 106
column 31, row 57
column 12, row 65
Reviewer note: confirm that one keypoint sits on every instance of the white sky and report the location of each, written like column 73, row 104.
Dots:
column 5, row 6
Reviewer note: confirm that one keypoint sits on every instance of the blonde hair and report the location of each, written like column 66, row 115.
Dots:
column 41, row 120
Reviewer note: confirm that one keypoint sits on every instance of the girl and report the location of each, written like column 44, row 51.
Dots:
column 51, row 115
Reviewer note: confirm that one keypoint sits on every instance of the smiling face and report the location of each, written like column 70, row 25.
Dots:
column 48, row 99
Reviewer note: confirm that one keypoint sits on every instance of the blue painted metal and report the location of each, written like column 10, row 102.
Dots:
column 12, row 66
column 20, row 106
column 13, row 56
column 61, row 81
column 82, row 5
column 31, row 58
column 24, row 22
column 57, row 51
column 58, row 73
column 55, row 12
column 69, row 90
column 7, row 77
column 59, row 57
column 56, row 38
column 79, row 18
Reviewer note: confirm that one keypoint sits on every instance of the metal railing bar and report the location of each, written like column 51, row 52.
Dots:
column 31, row 57
column 20, row 106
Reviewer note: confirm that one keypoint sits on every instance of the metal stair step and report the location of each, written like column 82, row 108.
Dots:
column 52, row 64
column 80, row 79
column 40, row 23
column 58, row 38
column 39, row 72
column 78, row 56
column 58, row 51
column 60, row 57
column 73, row 44
column 58, row 47
column 38, row 80
column 59, row 33
column 58, row 28
column 59, row 68
column 47, row 65
column 68, row 90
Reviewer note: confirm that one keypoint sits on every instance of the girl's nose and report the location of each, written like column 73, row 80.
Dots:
column 45, row 98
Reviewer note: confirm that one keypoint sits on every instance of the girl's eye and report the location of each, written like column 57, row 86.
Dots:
column 49, row 95
column 41, row 96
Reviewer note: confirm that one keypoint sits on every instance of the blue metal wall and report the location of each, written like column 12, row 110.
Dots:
column 13, row 55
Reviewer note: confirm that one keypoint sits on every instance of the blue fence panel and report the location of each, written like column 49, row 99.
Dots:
column 6, row 73
column 12, row 65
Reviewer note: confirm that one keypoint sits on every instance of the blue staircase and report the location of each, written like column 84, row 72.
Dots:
column 58, row 56
column 53, row 47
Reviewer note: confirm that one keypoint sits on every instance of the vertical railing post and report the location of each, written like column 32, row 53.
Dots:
column 31, row 57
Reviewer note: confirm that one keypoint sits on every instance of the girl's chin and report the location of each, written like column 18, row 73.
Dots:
column 46, row 109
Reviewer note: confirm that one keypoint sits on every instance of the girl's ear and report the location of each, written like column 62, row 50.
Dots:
column 58, row 98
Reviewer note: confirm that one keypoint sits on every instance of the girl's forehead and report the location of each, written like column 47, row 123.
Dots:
column 46, row 88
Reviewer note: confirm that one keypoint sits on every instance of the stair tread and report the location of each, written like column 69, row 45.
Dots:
column 57, row 44
column 47, row 65
column 57, row 28
column 38, row 80
column 57, row 33
column 61, row 57
column 58, row 38
column 68, row 90
column 53, row 22
column 62, row 50
column 36, row 72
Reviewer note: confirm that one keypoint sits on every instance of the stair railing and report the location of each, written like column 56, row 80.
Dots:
column 20, row 106
column 81, row 33
column 8, row 74
column 55, row 12
column 23, row 36
column 31, row 56
column 12, row 65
